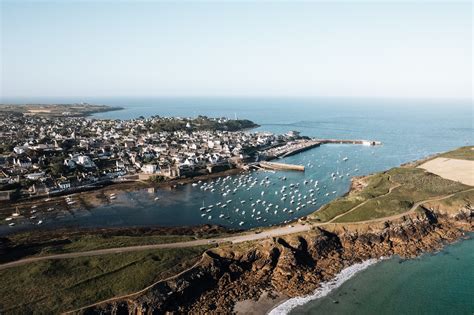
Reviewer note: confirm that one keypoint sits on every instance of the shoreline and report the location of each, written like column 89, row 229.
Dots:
column 326, row 288
column 120, row 187
column 282, row 276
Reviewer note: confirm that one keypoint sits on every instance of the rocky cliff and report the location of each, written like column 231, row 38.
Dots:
column 292, row 265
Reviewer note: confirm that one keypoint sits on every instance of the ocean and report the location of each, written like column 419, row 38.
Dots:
column 409, row 130
column 439, row 283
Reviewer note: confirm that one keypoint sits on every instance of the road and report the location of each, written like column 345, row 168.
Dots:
column 245, row 237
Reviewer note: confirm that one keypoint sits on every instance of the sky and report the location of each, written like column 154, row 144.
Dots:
column 305, row 49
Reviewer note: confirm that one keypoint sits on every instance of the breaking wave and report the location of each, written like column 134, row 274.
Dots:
column 324, row 289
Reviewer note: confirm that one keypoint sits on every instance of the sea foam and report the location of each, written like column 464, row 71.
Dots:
column 324, row 289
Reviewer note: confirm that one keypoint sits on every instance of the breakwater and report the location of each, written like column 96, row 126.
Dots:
column 347, row 141
column 282, row 166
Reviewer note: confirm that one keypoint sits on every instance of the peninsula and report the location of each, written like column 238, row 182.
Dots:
column 403, row 211
column 55, row 110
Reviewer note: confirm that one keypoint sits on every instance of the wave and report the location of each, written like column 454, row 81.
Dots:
column 324, row 289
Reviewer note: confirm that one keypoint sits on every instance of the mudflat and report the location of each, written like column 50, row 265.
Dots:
column 453, row 169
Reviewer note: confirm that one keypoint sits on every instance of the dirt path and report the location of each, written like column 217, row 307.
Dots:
column 274, row 232
column 137, row 292
column 363, row 203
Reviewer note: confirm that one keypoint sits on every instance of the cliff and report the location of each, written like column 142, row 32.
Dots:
column 292, row 265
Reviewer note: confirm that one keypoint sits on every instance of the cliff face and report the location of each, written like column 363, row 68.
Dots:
column 292, row 265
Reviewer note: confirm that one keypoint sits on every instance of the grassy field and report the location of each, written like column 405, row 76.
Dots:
column 464, row 153
column 377, row 184
column 453, row 203
column 53, row 286
column 22, row 246
column 415, row 185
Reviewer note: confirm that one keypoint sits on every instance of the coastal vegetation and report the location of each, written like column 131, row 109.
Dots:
column 200, row 123
column 374, row 186
column 464, row 153
column 55, row 286
column 37, row 243
column 392, row 192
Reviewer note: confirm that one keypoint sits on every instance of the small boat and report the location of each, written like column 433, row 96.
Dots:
column 8, row 219
column 16, row 213
column 345, row 159
column 11, row 224
column 241, row 223
column 157, row 198
column 40, row 222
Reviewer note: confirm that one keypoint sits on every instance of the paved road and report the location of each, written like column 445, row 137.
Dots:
column 275, row 232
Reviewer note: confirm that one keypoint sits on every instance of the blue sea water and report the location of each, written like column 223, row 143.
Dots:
column 409, row 130
column 440, row 283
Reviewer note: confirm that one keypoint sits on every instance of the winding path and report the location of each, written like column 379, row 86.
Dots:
column 274, row 232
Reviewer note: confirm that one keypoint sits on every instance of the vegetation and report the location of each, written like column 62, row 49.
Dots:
column 409, row 186
column 199, row 123
column 464, row 153
column 415, row 185
column 54, row 286
column 29, row 244
column 376, row 185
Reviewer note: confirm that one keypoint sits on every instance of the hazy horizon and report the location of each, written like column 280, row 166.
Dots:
column 408, row 50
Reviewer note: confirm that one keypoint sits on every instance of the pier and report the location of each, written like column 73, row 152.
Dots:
column 291, row 148
column 339, row 141
column 281, row 166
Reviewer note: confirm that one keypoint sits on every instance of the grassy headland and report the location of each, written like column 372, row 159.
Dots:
column 394, row 192
column 53, row 286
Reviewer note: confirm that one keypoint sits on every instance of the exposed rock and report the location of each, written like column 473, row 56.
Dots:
column 293, row 265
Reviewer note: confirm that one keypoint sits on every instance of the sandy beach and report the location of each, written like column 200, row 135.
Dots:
column 266, row 302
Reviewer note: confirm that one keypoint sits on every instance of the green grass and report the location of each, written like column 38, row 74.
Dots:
column 53, row 286
column 377, row 184
column 416, row 185
column 29, row 244
column 92, row 242
column 463, row 153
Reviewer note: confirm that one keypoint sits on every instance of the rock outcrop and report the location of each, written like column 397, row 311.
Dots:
column 292, row 265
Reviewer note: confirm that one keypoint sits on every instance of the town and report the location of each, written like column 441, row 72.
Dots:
column 42, row 156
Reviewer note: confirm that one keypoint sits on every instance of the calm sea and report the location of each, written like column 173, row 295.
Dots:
column 409, row 130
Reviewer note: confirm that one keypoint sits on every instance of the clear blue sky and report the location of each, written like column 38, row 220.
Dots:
column 351, row 49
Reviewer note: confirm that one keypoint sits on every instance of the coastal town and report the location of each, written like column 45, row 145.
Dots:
column 43, row 156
